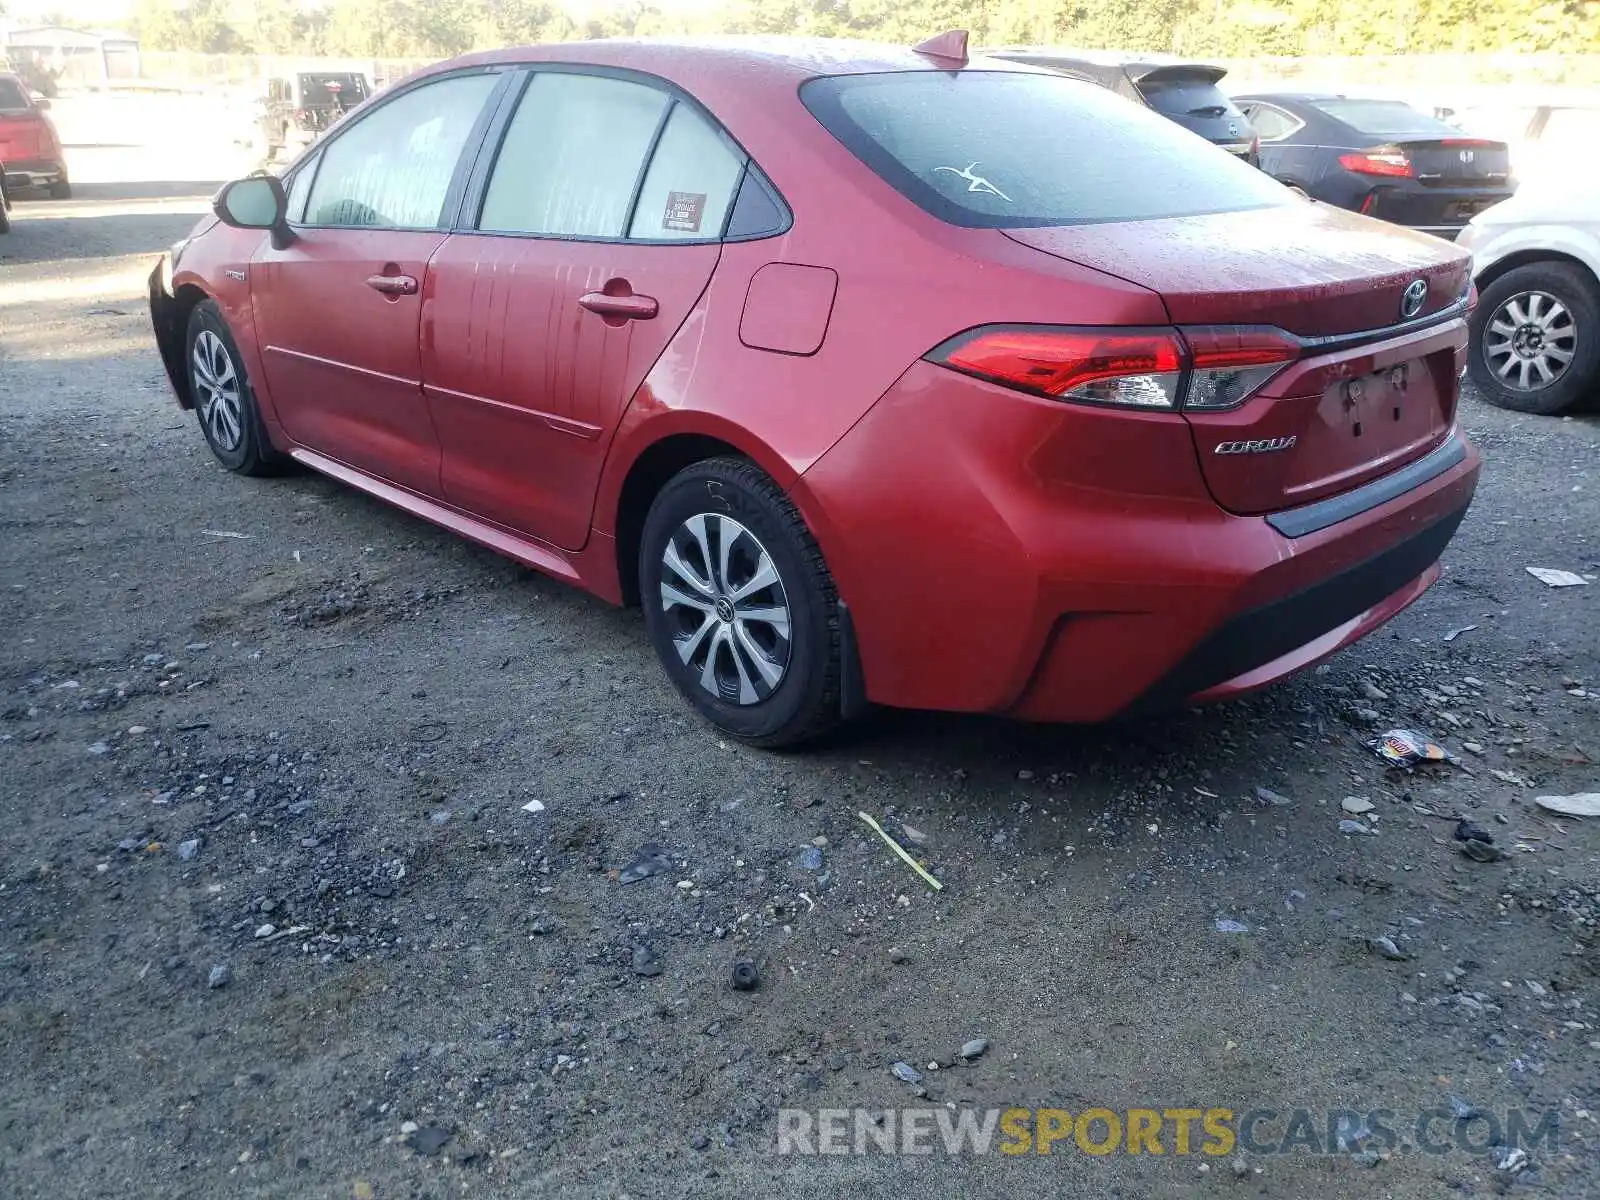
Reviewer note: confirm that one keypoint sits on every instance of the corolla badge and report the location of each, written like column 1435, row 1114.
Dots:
column 1414, row 297
column 1257, row 445
column 976, row 183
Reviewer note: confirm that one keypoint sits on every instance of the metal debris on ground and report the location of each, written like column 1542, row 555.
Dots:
column 1407, row 748
column 902, row 852
column 533, row 806
column 1584, row 804
column 226, row 533
column 1509, row 1160
column 1455, row 633
column 1224, row 925
column 650, row 860
column 1555, row 577
column 906, row 1073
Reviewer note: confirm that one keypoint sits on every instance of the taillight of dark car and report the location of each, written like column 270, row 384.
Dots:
column 1208, row 368
column 1388, row 161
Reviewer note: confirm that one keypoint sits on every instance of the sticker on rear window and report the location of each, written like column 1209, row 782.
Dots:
column 684, row 211
column 976, row 183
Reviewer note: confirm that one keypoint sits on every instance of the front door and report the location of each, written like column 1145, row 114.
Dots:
column 338, row 310
column 599, row 228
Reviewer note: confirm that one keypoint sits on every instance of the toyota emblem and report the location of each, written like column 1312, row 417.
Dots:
column 1413, row 298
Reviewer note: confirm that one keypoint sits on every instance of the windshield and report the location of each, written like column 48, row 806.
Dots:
column 332, row 91
column 995, row 149
column 12, row 96
column 1385, row 118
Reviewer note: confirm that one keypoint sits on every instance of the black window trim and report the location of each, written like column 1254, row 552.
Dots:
column 458, row 179
column 491, row 144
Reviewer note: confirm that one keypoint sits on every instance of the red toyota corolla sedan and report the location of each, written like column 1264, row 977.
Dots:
column 872, row 374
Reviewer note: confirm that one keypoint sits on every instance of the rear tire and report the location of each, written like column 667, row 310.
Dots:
column 223, row 398
column 61, row 191
column 740, row 605
column 5, row 205
column 1557, row 304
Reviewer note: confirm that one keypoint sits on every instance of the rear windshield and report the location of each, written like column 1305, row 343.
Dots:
column 332, row 91
column 1385, row 118
column 995, row 149
column 1186, row 96
column 12, row 96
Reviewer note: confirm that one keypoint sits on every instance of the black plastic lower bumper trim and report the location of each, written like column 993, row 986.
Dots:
column 1255, row 638
column 1297, row 522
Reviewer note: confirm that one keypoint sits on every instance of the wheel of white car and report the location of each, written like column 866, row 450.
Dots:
column 1536, row 338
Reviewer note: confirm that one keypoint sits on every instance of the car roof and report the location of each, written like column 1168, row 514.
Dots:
column 757, row 58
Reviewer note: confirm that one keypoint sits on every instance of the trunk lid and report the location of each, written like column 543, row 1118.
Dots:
column 1457, row 162
column 22, row 136
column 1341, row 415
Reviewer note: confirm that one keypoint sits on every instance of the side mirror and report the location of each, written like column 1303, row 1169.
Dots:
column 255, row 202
column 41, row 103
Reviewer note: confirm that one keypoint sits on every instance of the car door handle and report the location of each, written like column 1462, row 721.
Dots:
column 623, row 308
column 393, row 285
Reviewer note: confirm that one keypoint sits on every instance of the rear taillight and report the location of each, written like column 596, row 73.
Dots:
column 1209, row 368
column 1134, row 368
column 1230, row 365
column 1380, row 160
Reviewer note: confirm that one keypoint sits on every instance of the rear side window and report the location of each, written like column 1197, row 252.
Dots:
column 572, row 156
column 1185, row 96
column 392, row 169
column 994, row 149
column 12, row 96
column 1385, row 118
column 691, row 182
column 1272, row 123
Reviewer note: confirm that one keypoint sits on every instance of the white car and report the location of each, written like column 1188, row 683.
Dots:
column 1536, row 261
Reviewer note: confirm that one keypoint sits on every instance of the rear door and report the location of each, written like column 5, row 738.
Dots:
column 338, row 310
column 598, row 228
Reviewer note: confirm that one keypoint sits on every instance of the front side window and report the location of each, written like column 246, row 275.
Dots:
column 1000, row 149
column 571, row 156
column 392, row 169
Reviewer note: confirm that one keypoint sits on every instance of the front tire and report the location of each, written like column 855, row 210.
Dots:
column 740, row 605
column 1536, row 338
column 223, row 398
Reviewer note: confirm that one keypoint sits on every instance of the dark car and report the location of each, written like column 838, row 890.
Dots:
column 28, row 142
column 1178, row 89
column 299, row 106
column 873, row 375
column 1380, row 157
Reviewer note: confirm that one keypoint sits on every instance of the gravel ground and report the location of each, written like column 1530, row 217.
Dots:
column 273, row 919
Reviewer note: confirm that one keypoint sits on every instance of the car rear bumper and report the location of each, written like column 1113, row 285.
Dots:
column 34, row 173
column 1013, row 559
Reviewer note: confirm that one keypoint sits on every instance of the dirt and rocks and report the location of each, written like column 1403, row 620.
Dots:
column 279, row 915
